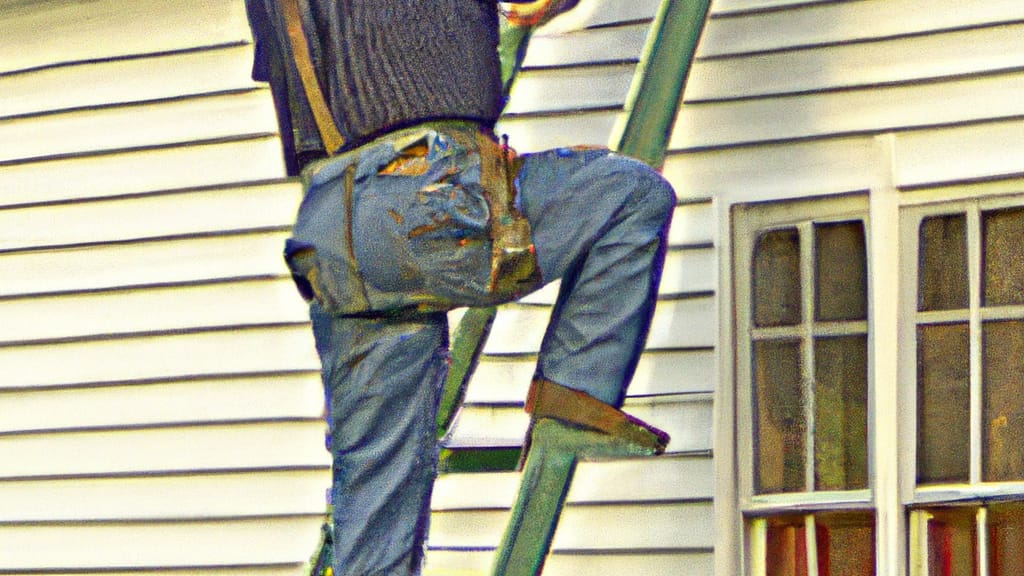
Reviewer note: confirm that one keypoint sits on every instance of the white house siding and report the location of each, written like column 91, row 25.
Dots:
column 159, row 393
column 912, row 101
column 649, row 516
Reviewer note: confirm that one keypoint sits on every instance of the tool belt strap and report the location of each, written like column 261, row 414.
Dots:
column 328, row 128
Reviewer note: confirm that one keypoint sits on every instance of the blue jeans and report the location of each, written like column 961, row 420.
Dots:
column 599, row 223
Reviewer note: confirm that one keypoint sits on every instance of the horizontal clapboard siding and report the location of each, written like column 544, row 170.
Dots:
column 694, row 563
column 848, row 22
column 643, row 480
column 664, row 512
column 594, row 14
column 107, row 314
column 272, row 492
column 519, row 329
column 188, row 354
column 109, row 29
column 733, row 7
column 258, row 445
column 505, row 379
column 175, row 544
column 142, row 171
column 156, row 262
column 984, row 151
column 244, row 398
column 778, row 106
column 142, row 79
column 105, row 129
column 590, row 47
column 187, row 213
column 663, row 525
column 643, row 516
column 868, row 64
column 870, row 110
column 160, row 388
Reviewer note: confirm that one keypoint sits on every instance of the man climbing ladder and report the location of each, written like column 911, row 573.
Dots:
column 413, row 207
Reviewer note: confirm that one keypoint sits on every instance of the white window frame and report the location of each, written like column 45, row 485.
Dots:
column 747, row 222
column 976, row 494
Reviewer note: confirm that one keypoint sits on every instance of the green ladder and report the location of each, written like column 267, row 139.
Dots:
column 555, row 448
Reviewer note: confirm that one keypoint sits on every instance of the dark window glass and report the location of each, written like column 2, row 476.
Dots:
column 786, row 553
column 846, row 544
column 943, row 403
column 777, row 278
column 841, row 413
column 841, row 272
column 1003, row 400
column 779, row 417
column 942, row 266
column 952, row 542
column 1006, row 540
column 1003, row 232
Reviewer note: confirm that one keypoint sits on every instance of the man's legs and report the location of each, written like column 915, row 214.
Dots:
column 383, row 379
column 599, row 223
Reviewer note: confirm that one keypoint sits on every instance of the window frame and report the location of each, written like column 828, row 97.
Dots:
column 910, row 221
column 749, row 220
column 976, row 496
column 747, row 223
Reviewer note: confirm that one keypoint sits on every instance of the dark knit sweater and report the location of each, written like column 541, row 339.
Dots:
column 383, row 64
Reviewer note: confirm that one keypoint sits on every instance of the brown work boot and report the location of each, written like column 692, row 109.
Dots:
column 550, row 400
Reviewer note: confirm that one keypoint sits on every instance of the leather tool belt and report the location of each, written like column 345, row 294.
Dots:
column 422, row 218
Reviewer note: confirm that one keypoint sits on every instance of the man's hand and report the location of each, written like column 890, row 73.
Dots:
column 531, row 13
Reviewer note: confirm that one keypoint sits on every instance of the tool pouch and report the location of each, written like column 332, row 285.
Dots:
column 514, row 269
column 424, row 218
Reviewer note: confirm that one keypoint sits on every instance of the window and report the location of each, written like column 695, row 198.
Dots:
column 968, row 343
column 803, row 387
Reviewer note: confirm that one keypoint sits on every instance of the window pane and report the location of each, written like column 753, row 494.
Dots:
column 777, row 278
column 846, row 544
column 1006, row 540
column 943, row 403
column 1004, row 261
column 786, row 553
column 780, row 423
column 952, row 542
column 841, row 415
column 841, row 272
column 1003, row 401
column 942, row 267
